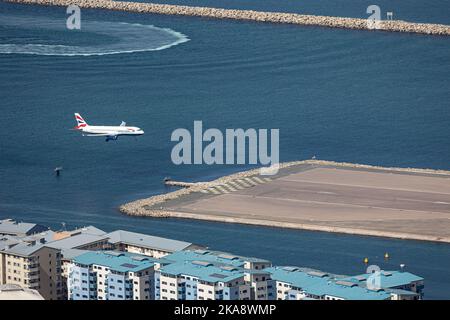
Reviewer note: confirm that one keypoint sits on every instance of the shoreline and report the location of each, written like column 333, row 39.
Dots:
column 310, row 227
column 152, row 206
column 251, row 15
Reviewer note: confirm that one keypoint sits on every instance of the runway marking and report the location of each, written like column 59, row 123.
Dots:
column 242, row 182
column 361, row 186
column 229, row 188
column 339, row 204
column 235, row 185
column 427, row 201
column 326, row 192
column 222, row 189
column 213, row 190
column 253, row 183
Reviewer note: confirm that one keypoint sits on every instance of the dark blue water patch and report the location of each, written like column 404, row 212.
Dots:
column 376, row 98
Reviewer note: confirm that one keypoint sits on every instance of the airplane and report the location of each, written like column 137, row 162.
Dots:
column 110, row 132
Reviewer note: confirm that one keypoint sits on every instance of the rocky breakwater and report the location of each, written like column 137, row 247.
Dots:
column 250, row 15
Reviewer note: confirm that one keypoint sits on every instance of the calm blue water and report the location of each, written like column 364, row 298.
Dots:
column 375, row 98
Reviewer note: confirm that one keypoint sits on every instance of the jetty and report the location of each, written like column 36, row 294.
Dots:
column 251, row 15
column 182, row 184
column 405, row 203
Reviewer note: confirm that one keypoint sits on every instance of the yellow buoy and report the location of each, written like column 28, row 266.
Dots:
column 386, row 255
column 366, row 260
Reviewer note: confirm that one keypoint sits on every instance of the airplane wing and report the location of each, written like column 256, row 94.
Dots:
column 112, row 134
column 123, row 124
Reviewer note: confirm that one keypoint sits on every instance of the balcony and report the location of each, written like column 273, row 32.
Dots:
column 33, row 266
column 30, row 276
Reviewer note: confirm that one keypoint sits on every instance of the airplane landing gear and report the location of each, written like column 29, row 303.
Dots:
column 111, row 138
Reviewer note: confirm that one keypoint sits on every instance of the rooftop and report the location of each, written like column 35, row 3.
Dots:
column 87, row 230
column 117, row 261
column 12, row 227
column 207, row 265
column 76, row 241
column 217, row 257
column 23, row 249
column 143, row 240
column 15, row 292
column 70, row 254
column 321, row 285
column 388, row 279
column 203, row 271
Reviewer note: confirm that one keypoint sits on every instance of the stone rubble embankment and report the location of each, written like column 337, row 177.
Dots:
column 250, row 15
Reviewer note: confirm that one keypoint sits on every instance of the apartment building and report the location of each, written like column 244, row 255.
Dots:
column 151, row 246
column 70, row 244
column 292, row 283
column 215, row 275
column 401, row 285
column 111, row 275
column 31, row 265
column 200, row 280
column 81, row 264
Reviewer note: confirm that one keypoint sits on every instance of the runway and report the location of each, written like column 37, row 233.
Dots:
column 377, row 201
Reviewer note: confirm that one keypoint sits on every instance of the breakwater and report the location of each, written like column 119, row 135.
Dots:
column 250, row 15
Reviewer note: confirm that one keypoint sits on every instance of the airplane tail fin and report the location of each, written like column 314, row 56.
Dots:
column 80, row 121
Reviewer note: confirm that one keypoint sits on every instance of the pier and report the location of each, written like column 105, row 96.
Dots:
column 182, row 184
column 251, row 15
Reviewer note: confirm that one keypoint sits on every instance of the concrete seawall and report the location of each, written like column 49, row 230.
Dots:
column 250, row 15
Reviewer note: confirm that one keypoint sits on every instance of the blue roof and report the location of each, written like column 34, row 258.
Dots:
column 117, row 261
column 216, row 257
column 202, row 270
column 324, row 285
column 389, row 279
column 207, row 265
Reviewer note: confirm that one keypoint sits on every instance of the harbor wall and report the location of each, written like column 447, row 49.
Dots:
column 251, row 15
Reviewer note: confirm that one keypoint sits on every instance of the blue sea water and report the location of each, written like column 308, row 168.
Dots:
column 367, row 97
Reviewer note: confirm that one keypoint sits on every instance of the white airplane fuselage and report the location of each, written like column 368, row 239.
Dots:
column 110, row 132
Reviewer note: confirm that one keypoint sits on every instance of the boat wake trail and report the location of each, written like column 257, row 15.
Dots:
column 45, row 36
